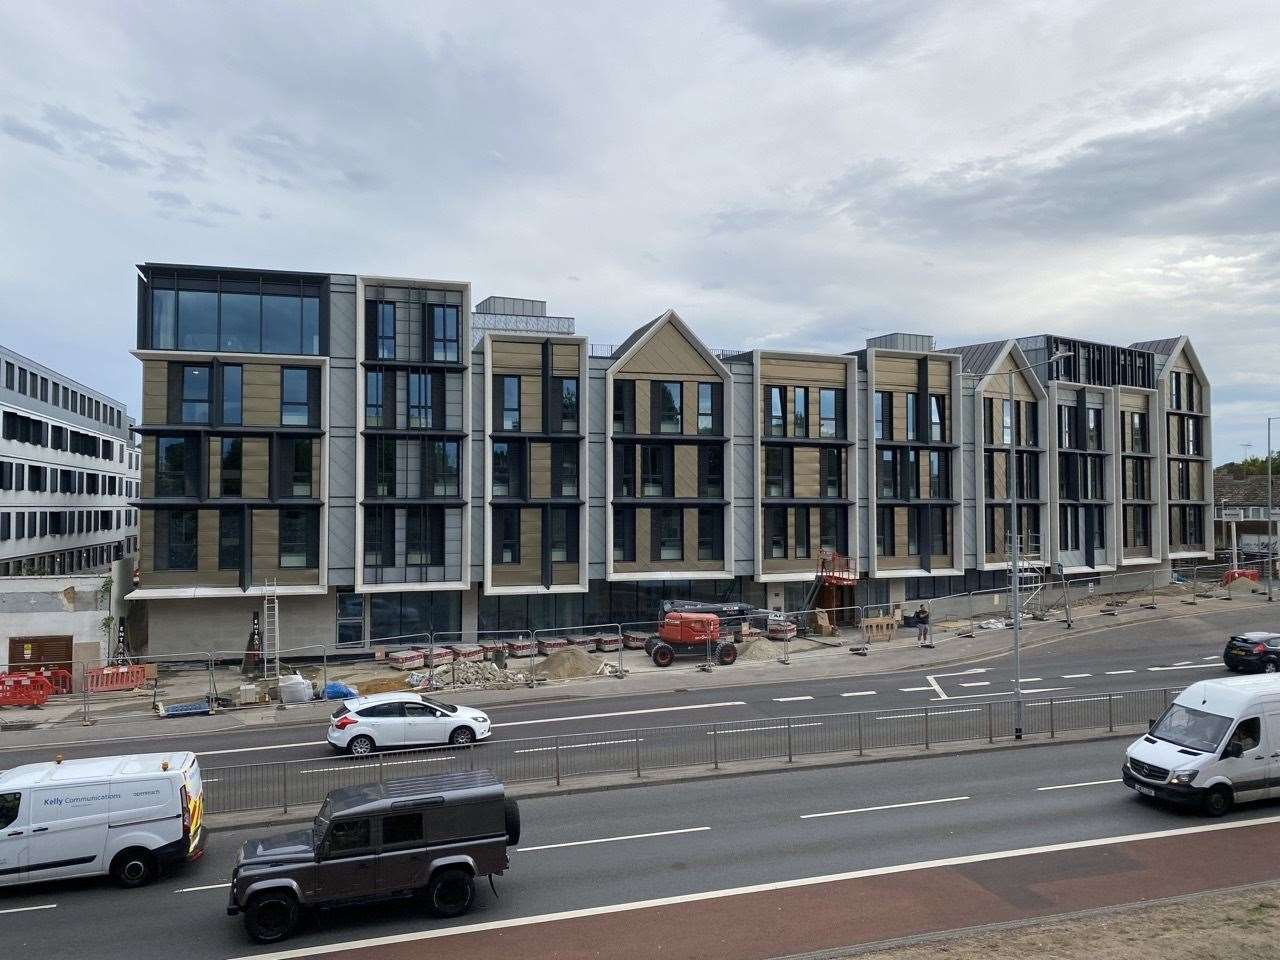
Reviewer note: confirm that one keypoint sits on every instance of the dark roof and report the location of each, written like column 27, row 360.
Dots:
column 636, row 334
column 375, row 797
column 979, row 358
column 1243, row 491
column 1164, row 346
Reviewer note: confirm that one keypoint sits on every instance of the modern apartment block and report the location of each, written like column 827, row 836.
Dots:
column 391, row 462
column 68, row 471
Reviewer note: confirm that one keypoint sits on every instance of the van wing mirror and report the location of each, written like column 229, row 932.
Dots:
column 1233, row 751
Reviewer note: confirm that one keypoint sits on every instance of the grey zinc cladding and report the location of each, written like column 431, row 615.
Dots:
column 979, row 358
column 341, row 437
column 911, row 342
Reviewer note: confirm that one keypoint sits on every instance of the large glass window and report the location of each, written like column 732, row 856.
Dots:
column 940, row 532
column 653, row 471
column 775, row 525
column 164, row 323
column 444, row 464
column 802, row 532
column 195, row 394
column 384, row 466
column 800, row 412
column 420, row 401
column 444, row 333
column 297, row 455
column 775, row 424
column 831, row 412
column 172, row 468
column 777, row 472
column 241, row 326
column 1067, row 427
column 230, row 466
column 624, row 534
column 833, row 528
column 290, row 324
column 708, row 409
column 509, row 394
column 564, row 469
column 424, row 536
column 299, row 538
column 710, row 533
column 939, row 475
column 232, row 394
column 385, row 331
column 884, row 415
column 887, row 475
column 374, row 412
column 885, row 534
column 668, row 533
column 624, row 406
column 1093, row 428
column 937, row 418
column 669, row 406
column 831, row 472
column 1006, row 422
column 230, row 539
column 295, row 396
column 176, row 537
column 568, row 394
column 197, row 320
column 379, row 532
column 506, row 469
column 506, row 539
column 563, row 540
column 711, row 471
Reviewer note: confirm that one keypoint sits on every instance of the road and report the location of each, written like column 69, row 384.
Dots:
column 1169, row 652
column 595, row 850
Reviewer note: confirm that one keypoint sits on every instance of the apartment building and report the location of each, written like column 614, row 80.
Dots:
column 68, row 471
column 392, row 462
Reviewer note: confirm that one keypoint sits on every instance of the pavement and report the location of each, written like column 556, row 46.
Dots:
column 747, row 867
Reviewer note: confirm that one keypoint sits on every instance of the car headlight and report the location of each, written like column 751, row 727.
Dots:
column 1183, row 778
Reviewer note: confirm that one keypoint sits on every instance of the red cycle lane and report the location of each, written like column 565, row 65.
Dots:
column 823, row 913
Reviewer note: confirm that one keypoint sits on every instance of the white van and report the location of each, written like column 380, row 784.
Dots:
column 1218, row 744
column 129, row 817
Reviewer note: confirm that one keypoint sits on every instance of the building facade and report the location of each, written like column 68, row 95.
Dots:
column 391, row 462
column 69, row 473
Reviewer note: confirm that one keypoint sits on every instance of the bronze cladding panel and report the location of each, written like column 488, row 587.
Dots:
column 691, row 561
column 148, row 468
column 805, row 471
column 689, row 406
column 900, row 534
column 255, row 468
column 1197, row 480
column 565, row 359
column 146, row 543
column 531, row 404
column 564, row 573
column 802, row 372
column 512, row 356
column 214, row 455
column 539, row 475
column 261, row 395
column 642, row 406
column 895, row 373
column 998, row 386
column 940, row 376
column 528, row 572
column 266, row 554
column 155, row 391
column 668, row 355
column 1133, row 401
column 642, row 561
column 1000, row 465
column 686, row 469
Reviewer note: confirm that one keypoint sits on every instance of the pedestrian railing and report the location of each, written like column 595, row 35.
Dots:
column 279, row 785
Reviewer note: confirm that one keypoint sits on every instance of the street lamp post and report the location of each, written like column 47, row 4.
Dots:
column 1015, row 598
column 1271, row 539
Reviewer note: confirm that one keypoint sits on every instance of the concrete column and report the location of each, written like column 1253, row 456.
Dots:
column 470, row 609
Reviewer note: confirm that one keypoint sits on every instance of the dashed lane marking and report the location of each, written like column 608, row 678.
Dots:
column 1192, row 666
column 932, row 713
column 43, row 906
column 369, row 766
column 632, row 836
column 859, row 693
column 886, row 806
column 1116, row 673
column 779, row 726
column 1076, row 676
column 579, row 746
column 270, row 746
column 211, row 886
column 914, row 689
column 977, row 683
column 1070, row 786
column 790, row 699
column 624, row 713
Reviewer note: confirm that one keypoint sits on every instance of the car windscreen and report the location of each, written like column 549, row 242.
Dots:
column 446, row 707
column 1191, row 728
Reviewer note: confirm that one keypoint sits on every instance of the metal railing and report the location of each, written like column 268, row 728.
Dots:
column 555, row 759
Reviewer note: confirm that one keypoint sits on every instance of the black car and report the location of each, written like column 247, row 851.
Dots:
column 1253, row 652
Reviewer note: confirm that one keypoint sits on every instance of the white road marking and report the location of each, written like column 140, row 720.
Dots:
column 633, row 836
column 1043, row 689
column 1032, row 679
column 859, row 693
column 211, row 886
column 1116, row 673
column 932, row 713
column 916, row 689
column 270, row 746
column 43, row 906
column 624, row 713
column 210, row 780
column 436, row 933
column 1087, row 783
column 780, row 726
column 579, row 746
column 1059, row 702
column 790, row 699
column 887, row 806
column 977, row 683
column 1193, row 666
column 385, row 763
column 1183, row 663
column 1076, row 676
column 937, row 687
column 1214, row 657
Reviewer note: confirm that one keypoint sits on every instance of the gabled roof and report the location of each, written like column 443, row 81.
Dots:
column 636, row 335
column 1165, row 346
column 634, row 343
column 1243, row 491
column 980, row 358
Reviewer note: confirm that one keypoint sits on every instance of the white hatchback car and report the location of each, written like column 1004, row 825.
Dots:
column 395, row 720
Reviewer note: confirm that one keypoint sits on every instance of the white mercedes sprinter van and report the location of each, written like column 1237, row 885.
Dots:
column 1218, row 744
column 129, row 817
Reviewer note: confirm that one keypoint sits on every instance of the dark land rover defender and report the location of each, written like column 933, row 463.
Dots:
column 428, row 837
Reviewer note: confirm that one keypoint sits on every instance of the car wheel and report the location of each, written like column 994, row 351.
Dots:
column 360, row 746
column 1217, row 801
column 726, row 654
column 1269, row 667
column 133, row 868
column 451, row 893
column 663, row 655
column 271, row 916
column 462, row 736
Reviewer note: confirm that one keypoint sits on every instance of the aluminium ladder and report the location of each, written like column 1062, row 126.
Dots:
column 270, row 629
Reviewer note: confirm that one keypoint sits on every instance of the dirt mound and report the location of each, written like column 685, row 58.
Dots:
column 568, row 664
column 761, row 648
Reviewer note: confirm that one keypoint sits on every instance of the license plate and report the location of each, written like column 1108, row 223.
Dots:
column 1146, row 791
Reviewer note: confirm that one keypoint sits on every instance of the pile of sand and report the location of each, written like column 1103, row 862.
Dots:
column 568, row 664
column 761, row 648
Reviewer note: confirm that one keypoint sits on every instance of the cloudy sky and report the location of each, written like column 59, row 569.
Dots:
column 798, row 174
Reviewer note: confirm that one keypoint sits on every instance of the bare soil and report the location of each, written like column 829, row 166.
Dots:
column 1226, row 925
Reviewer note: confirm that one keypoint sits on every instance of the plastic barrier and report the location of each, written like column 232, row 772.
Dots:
column 24, row 690
column 103, row 679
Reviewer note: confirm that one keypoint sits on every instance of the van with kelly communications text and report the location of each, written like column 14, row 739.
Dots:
column 1216, row 745
column 128, row 816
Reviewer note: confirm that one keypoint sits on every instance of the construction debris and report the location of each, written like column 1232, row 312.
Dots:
column 572, row 663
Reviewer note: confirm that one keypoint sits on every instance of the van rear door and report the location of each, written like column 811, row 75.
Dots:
column 1271, row 744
